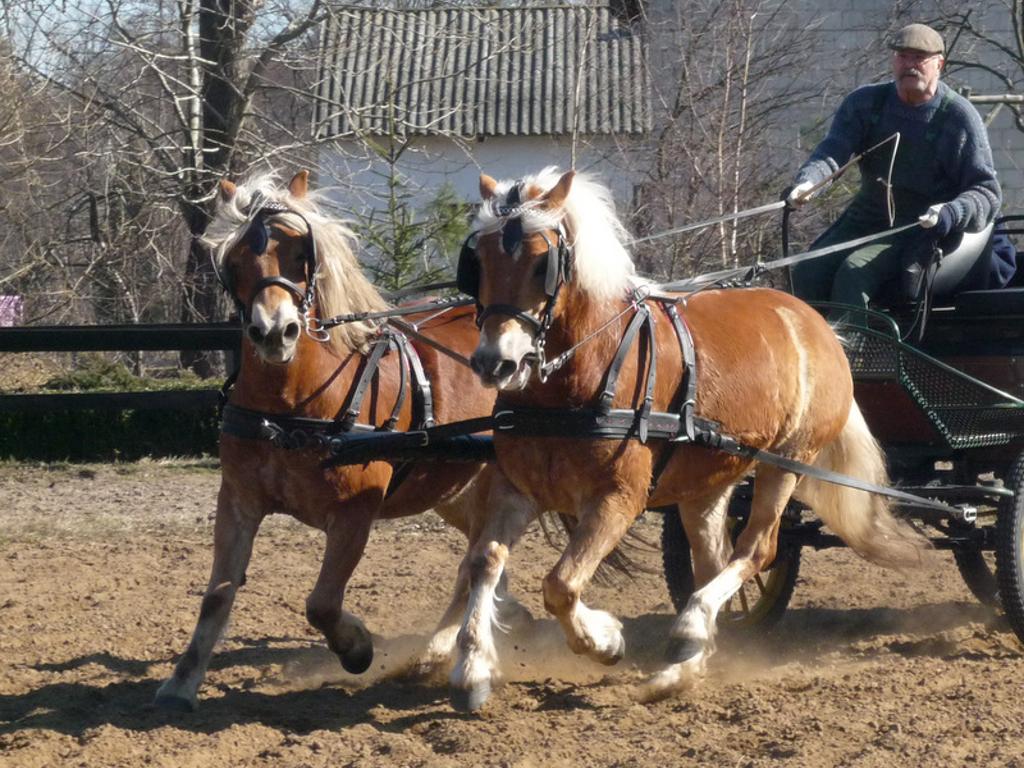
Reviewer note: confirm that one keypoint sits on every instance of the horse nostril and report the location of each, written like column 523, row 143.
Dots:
column 505, row 369
column 291, row 332
column 254, row 334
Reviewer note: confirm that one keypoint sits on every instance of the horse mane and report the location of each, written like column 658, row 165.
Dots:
column 341, row 286
column 603, row 267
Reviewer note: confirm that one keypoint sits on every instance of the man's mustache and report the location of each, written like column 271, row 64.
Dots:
column 912, row 71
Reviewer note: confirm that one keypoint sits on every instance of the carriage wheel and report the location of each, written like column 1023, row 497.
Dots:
column 978, row 575
column 760, row 602
column 1010, row 548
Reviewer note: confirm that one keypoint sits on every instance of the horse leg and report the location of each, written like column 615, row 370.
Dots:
column 468, row 513
column 233, row 534
column 476, row 667
column 691, row 640
column 705, row 522
column 434, row 662
column 347, row 533
column 595, row 633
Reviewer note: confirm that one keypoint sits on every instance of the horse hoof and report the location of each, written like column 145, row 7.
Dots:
column 471, row 700
column 172, row 703
column 614, row 657
column 681, row 649
column 358, row 660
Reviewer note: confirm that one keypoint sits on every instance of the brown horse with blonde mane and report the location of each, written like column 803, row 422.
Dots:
column 556, row 292
column 288, row 266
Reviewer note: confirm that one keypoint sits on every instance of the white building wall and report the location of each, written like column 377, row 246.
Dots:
column 432, row 162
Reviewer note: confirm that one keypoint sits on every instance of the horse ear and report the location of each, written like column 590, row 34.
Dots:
column 227, row 190
column 487, row 186
column 555, row 197
column 299, row 185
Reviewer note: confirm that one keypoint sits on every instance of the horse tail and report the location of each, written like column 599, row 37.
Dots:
column 863, row 520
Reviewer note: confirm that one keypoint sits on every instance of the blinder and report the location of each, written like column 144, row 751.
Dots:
column 257, row 237
column 467, row 273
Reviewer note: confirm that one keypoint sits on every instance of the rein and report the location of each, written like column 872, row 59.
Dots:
column 725, row 275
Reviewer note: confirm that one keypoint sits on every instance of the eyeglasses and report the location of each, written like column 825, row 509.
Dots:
column 918, row 56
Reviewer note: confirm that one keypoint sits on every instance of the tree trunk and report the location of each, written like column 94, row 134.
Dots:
column 223, row 25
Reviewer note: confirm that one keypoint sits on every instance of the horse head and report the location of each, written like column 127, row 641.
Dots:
column 535, row 241
column 287, row 266
column 515, row 264
column 270, row 273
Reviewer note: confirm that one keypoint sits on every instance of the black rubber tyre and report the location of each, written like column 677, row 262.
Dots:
column 760, row 603
column 1010, row 549
column 977, row 575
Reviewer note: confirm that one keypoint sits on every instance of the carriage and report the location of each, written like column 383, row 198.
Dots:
column 948, row 408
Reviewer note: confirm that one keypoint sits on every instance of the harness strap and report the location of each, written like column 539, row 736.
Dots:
column 611, row 377
column 457, row 441
column 688, row 391
column 282, row 430
column 611, row 424
column 620, row 424
column 712, row 438
column 370, row 364
column 423, row 397
column 652, row 373
column 403, row 384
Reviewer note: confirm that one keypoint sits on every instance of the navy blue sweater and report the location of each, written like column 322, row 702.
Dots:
column 952, row 163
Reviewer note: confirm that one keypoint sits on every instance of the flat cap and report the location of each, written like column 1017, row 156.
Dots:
column 917, row 37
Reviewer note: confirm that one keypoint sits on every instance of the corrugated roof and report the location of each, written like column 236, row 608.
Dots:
column 481, row 72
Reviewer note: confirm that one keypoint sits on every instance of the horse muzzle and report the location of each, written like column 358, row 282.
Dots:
column 499, row 371
column 274, row 338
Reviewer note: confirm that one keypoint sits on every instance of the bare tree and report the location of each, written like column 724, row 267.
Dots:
column 985, row 44
column 163, row 100
column 739, row 80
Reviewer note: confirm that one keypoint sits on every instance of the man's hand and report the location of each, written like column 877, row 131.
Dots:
column 796, row 195
column 940, row 219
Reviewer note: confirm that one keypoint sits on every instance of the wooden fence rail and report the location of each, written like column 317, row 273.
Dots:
column 118, row 338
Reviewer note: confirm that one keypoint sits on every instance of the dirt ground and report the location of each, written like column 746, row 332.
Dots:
column 102, row 568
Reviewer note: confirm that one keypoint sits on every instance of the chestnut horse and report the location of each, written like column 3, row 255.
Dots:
column 287, row 265
column 554, row 283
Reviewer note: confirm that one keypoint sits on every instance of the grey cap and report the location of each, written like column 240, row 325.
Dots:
column 918, row 37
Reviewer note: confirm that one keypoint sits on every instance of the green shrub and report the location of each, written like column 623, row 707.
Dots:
column 107, row 435
column 110, row 434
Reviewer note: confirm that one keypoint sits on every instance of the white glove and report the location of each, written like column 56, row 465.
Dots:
column 930, row 218
column 798, row 194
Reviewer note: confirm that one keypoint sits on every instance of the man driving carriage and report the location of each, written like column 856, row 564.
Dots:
column 942, row 176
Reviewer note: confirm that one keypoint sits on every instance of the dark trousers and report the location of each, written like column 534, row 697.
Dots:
column 855, row 276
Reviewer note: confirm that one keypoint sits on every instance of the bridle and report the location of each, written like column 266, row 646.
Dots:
column 559, row 271
column 257, row 237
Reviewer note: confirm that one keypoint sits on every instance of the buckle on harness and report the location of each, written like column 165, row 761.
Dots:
column 271, row 431
column 504, row 420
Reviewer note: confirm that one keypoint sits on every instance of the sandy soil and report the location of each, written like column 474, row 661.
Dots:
column 102, row 567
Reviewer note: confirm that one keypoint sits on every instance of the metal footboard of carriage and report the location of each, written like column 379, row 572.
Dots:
column 948, row 435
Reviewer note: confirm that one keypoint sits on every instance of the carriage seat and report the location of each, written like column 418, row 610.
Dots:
column 966, row 263
column 977, row 263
